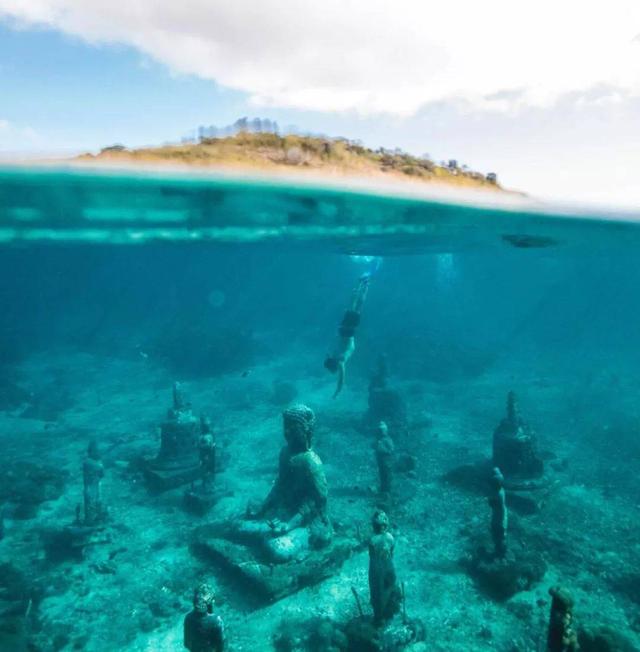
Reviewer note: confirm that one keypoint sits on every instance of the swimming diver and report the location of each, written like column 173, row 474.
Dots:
column 346, row 344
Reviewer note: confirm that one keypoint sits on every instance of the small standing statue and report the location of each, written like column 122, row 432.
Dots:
column 92, row 473
column 207, row 451
column 385, row 594
column 203, row 630
column 562, row 636
column 499, row 513
column 385, row 452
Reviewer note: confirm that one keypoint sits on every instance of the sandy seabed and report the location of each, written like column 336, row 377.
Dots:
column 588, row 531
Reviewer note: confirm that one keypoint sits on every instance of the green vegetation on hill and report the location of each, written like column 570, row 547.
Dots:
column 270, row 151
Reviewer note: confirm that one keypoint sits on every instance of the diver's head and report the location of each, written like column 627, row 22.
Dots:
column 331, row 363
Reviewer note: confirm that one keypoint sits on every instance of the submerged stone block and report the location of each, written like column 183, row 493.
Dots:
column 604, row 639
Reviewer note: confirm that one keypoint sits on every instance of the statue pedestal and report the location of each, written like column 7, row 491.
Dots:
column 503, row 577
column 163, row 479
column 364, row 636
column 271, row 581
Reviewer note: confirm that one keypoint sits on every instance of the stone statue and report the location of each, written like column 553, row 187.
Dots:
column 499, row 514
column 294, row 514
column 385, row 594
column 92, row 474
column 385, row 452
column 203, row 630
column 385, row 403
column 177, row 462
column 199, row 499
column 207, row 453
column 562, row 636
column 286, row 542
column 515, row 446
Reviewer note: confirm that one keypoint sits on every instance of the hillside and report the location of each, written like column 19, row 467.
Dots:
column 269, row 152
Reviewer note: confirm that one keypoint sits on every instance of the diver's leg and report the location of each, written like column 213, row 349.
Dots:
column 360, row 294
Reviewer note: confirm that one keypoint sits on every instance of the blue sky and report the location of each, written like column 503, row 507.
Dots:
column 549, row 102
column 75, row 95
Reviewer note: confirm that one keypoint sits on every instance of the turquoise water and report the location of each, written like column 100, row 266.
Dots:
column 116, row 207
column 115, row 285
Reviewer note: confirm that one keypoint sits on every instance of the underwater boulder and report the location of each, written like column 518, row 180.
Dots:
column 401, row 633
column 604, row 639
column 502, row 577
column 318, row 634
column 26, row 485
column 18, row 594
column 49, row 403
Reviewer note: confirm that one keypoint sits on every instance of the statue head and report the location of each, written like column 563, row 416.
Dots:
column 380, row 522
column 562, row 600
column 93, row 450
column 203, row 598
column 299, row 422
column 382, row 430
column 206, row 442
column 497, row 479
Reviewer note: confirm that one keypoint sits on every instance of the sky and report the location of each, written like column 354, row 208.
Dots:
column 546, row 94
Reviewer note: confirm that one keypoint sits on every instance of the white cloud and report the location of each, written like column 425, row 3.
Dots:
column 371, row 55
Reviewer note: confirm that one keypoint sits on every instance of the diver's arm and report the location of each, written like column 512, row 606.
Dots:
column 341, row 375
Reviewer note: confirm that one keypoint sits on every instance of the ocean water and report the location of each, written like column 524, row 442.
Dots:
column 114, row 286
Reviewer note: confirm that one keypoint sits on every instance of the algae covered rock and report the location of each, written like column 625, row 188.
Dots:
column 604, row 639
column 503, row 577
column 26, row 485
column 318, row 634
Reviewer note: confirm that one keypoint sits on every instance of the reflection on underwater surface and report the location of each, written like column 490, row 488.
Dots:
column 128, row 207
column 93, row 336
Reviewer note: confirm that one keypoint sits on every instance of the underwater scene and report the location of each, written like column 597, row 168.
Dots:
column 243, row 415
